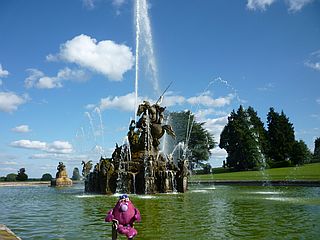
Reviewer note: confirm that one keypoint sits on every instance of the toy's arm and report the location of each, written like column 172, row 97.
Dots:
column 137, row 215
column 109, row 216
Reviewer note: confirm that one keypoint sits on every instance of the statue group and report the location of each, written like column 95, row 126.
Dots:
column 138, row 166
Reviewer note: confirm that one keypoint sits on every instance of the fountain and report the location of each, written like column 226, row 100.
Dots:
column 138, row 166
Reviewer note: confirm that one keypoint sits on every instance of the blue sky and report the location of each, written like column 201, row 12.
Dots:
column 67, row 71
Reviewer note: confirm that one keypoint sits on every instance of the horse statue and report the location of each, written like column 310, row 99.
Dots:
column 155, row 114
column 87, row 166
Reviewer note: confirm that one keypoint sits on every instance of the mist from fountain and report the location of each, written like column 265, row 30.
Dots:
column 91, row 125
column 98, row 111
column 144, row 48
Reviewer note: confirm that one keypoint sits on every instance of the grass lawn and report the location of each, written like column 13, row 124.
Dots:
column 305, row 172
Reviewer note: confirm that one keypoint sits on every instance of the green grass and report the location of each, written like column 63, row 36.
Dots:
column 305, row 172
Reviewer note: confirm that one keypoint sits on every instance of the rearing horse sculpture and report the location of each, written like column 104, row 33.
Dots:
column 153, row 114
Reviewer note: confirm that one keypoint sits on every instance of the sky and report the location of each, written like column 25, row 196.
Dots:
column 68, row 71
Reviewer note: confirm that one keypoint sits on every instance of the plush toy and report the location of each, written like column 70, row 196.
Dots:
column 123, row 215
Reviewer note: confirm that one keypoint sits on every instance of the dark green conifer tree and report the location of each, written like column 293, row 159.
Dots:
column 241, row 139
column 316, row 152
column 281, row 137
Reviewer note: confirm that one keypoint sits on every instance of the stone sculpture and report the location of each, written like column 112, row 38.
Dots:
column 139, row 167
column 61, row 177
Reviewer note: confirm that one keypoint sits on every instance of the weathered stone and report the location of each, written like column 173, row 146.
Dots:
column 139, row 167
column 7, row 234
column 61, row 179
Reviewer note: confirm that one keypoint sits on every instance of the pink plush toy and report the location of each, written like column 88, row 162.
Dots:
column 124, row 214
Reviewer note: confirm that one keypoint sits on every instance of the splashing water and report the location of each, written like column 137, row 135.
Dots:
column 97, row 110
column 91, row 125
column 144, row 41
column 137, row 57
column 234, row 94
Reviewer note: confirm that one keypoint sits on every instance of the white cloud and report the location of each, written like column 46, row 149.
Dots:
column 90, row 4
column 259, row 4
column 297, row 5
column 313, row 61
column 105, row 57
column 10, row 101
column 118, row 3
column 29, row 144
column 172, row 100
column 124, row 103
column 293, row 5
column 208, row 101
column 318, row 100
column 61, row 147
column 38, row 79
column 315, row 65
column 60, row 157
column 3, row 72
column 219, row 154
column 8, row 169
column 21, row 129
column 215, row 126
column 8, row 163
column 202, row 114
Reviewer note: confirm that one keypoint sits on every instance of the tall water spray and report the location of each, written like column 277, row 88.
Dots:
column 144, row 47
column 137, row 16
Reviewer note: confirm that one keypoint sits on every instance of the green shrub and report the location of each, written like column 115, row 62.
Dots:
column 46, row 177
column 11, row 177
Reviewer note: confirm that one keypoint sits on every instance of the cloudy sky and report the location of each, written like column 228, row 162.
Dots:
column 67, row 71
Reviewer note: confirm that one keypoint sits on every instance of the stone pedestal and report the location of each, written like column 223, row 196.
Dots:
column 61, row 179
column 61, row 182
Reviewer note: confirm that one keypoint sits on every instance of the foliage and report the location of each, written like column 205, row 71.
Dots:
column 46, row 177
column 11, row 177
column 22, row 176
column 76, row 174
column 300, row 153
column 280, row 136
column 247, row 142
column 316, row 152
column 207, row 168
column 244, row 139
column 198, row 140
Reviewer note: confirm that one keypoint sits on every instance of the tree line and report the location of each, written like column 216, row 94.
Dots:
column 251, row 146
column 22, row 176
column 248, row 143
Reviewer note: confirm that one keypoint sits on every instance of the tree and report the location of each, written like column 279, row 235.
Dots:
column 316, row 152
column 22, row 176
column 198, row 139
column 259, row 130
column 11, row 177
column 76, row 174
column 46, row 177
column 207, row 168
column 300, row 153
column 281, row 137
column 242, row 139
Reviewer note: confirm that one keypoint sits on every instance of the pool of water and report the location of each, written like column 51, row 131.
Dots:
column 204, row 212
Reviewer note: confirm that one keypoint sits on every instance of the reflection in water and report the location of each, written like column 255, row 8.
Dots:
column 204, row 212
